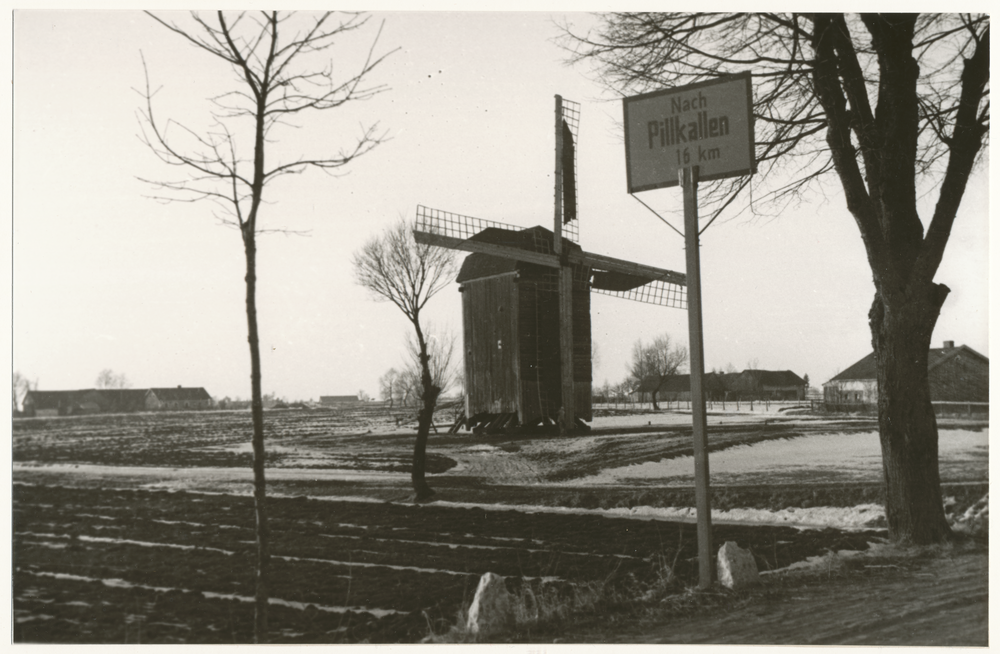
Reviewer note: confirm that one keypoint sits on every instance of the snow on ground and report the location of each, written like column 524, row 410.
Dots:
column 841, row 457
column 865, row 516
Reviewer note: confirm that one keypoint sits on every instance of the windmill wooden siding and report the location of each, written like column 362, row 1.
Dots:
column 490, row 321
column 510, row 315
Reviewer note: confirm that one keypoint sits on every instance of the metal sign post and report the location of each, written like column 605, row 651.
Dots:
column 688, row 178
column 676, row 137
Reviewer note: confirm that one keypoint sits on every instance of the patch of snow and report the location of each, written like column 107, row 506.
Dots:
column 484, row 448
column 835, row 455
column 33, row 617
column 121, row 583
column 471, row 546
column 858, row 517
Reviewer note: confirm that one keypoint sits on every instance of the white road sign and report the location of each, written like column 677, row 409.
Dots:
column 709, row 125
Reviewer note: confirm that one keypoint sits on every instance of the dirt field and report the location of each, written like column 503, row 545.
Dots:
column 139, row 528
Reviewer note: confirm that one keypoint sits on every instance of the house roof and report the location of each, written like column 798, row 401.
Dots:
column 667, row 384
column 181, row 394
column 775, row 377
column 121, row 399
column 51, row 399
column 865, row 368
column 748, row 380
column 337, row 398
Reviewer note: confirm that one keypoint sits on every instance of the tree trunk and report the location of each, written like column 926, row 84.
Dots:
column 901, row 333
column 430, row 392
column 257, row 413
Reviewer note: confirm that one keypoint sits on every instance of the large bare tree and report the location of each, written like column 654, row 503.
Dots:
column 395, row 268
column 282, row 68
column 892, row 106
column 654, row 363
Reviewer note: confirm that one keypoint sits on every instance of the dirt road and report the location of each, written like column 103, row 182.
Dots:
column 939, row 602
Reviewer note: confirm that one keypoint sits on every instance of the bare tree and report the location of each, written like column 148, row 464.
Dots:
column 652, row 364
column 394, row 267
column 107, row 378
column 441, row 353
column 19, row 387
column 283, row 70
column 388, row 385
column 893, row 107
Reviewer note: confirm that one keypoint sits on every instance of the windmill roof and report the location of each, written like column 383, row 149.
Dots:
column 478, row 265
column 865, row 368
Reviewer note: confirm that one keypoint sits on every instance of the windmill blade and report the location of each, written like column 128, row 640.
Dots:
column 609, row 276
column 635, row 281
column 658, row 292
column 458, row 232
column 569, row 120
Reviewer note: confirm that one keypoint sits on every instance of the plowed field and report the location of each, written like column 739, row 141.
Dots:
column 140, row 528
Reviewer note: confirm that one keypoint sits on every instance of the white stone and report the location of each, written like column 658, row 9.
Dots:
column 737, row 568
column 491, row 609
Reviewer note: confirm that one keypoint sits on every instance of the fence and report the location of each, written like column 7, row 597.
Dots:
column 969, row 409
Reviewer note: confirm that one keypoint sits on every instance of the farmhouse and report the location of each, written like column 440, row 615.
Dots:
column 956, row 375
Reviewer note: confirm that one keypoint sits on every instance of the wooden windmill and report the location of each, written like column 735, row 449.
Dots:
column 526, row 303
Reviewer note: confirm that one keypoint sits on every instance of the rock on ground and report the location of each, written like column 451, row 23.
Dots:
column 737, row 568
column 491, row 609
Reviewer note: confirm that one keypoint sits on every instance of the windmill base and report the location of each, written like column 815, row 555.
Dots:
column 508, row 423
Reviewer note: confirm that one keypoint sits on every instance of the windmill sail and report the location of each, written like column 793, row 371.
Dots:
column 569, row 174
column 608, row 276
column 569, row 129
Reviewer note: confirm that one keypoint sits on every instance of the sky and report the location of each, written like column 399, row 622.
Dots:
column 104, row 276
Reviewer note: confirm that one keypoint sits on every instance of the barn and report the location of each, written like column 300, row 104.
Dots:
column 178, row 399
column 510, row 319
column 51, row 403
column 957, row 375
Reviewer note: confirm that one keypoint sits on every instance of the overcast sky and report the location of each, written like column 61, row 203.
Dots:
column 105, row 277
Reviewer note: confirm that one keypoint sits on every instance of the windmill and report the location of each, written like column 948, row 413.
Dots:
column 526, row 303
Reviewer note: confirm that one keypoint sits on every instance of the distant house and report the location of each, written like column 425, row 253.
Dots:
column 114, row 400
column 178, row 399
column 121, row 400
column 51, row 403
column 668, row 388
column 770, row 385
column 338, row 401
column 746, row 385
column 956, row 375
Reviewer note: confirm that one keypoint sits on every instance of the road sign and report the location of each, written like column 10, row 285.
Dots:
column 708, row 124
